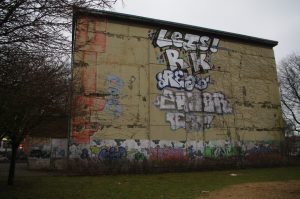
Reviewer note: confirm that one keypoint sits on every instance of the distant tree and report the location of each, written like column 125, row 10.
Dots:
column 289, row 79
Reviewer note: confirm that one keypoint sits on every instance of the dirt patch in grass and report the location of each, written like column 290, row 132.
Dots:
column 265, row 190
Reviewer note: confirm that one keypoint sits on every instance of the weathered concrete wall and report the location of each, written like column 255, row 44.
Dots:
column 142, row 91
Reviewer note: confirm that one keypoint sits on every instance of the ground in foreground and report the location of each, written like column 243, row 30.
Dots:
column 262, row 190
column 168, row 185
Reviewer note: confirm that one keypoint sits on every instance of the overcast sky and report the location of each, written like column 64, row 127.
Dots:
column 277, row 20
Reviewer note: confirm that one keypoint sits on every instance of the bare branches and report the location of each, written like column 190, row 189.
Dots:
column 41, row 25
column 34, row 40
column 31, row 85
column 34, row 77
column 289, row 78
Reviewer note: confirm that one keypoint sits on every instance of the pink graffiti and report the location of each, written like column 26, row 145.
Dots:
column 167, row 154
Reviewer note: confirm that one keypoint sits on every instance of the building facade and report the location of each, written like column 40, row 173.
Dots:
column 148, row 89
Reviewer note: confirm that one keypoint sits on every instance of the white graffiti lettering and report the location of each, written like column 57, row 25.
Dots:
column 199, row 63
column 177, row 120
column 190, row 42
column 176, row 39
column 170, row 78
column 178, row 79
column 167, row 100
column 174, row 61
column 161, row 41
column 193, row 102
column 214, row 45
column 198, row 122
column 187, row 57
column 190, row 122
column 204, row 43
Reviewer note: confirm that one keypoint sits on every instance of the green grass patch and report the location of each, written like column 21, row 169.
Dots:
column 169, row 185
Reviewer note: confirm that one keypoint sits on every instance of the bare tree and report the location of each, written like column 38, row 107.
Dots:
column 31, row 87
column 289, row 78
column 34, row 43
column 41, row 25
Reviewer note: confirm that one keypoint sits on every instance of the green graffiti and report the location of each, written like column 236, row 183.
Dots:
column 220, row 152
column 139, row 156
column 95, row 149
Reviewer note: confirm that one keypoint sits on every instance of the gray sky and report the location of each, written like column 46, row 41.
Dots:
column 277, row 20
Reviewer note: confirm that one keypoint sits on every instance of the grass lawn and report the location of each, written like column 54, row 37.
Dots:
column 169, row 185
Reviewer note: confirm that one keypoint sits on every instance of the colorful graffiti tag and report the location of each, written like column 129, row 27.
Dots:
column 188, row 98
column 112, row 153
column 165, row 150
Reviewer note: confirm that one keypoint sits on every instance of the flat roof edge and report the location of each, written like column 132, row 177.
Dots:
column 134, row 18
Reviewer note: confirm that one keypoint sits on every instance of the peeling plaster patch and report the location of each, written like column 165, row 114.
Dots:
column 82, row 125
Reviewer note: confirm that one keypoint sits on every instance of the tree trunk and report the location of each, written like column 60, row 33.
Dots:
column 12, row 165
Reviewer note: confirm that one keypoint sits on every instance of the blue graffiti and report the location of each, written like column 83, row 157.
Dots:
column 194, row 154
column 112, row 153
column 114, row 86
column 259, row 148
column 84, row 154
column 113, row 105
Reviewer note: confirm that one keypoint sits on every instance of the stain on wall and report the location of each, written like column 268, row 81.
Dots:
column 145, row 91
